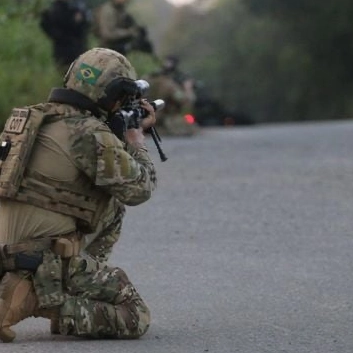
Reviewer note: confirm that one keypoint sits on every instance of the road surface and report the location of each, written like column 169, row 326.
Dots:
column 246, row 246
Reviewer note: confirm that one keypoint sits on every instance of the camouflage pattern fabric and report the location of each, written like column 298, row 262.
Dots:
column 93, row 319
column 99, row 245
column 100, row 155
column 170, row 120
column 99, row 301
column 48, row 283
column 117, row 171
column 94, row 280
column 164, row 87
column 92, row 72
column 104, row 303
column 115, row 28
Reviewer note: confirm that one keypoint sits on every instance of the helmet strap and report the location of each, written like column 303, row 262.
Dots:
column 76, row 99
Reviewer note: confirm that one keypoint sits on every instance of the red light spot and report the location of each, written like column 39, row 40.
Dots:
column 190, row 119
column 229, row 121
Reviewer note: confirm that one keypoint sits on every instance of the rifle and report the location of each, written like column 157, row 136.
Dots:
column 131, row 113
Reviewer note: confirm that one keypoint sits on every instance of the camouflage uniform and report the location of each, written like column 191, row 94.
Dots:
column 171, row 120
column 75, row 181
column 115, row 28
column 100, row 244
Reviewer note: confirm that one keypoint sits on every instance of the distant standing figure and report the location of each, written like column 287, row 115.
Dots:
column 116, row 29
column 66, row 23
column 176, row 89
column 170, row 68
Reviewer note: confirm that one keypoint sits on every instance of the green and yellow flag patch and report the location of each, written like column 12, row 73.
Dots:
column 88, row 74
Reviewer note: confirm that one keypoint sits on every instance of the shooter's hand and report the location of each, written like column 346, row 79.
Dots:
column 150, row 120
column 135, row 137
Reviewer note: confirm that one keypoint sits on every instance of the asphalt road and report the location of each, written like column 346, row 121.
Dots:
column 246, row 247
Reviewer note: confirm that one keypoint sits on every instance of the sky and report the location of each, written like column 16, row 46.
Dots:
column 180, row 2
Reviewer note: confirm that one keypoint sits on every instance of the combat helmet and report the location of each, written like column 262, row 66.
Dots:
column 102, row 75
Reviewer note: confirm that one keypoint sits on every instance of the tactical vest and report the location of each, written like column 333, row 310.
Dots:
column 81, row 200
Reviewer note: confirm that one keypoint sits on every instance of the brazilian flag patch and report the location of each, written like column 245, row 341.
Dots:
column 88, row 74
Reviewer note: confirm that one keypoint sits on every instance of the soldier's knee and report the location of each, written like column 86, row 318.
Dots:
column 87, row 318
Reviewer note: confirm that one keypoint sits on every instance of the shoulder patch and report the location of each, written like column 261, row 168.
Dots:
column 17, row 121
column 114, row 164
column 105, row 154
column 88, row 74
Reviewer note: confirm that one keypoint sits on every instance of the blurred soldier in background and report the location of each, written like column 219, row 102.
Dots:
column 177, row 90
column 116, row 29
column 65, row 175
column 170, row 67
column 66, row 23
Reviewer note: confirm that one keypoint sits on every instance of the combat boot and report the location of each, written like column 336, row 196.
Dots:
column 18, row 301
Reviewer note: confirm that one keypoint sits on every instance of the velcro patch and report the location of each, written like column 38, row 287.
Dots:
column 88, row 74
column 17, row 121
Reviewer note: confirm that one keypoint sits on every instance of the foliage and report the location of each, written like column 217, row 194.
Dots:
column 143, row 63
column 274, row 59
column 20, row 8
column 323, row 33
column 27, row 72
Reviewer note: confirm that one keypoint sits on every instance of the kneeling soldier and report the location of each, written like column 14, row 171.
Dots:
column 64, row 174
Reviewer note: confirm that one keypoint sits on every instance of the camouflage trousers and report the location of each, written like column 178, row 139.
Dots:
column 97, row 301
column 90, row 298
column 100, row 301
column 104, row 303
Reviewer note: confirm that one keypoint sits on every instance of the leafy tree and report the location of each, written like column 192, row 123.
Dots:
column 27, row 72
column 275, row 59
column 323, row 33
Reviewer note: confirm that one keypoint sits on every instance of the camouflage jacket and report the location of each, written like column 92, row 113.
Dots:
column 85, row 166
column 114, row 26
